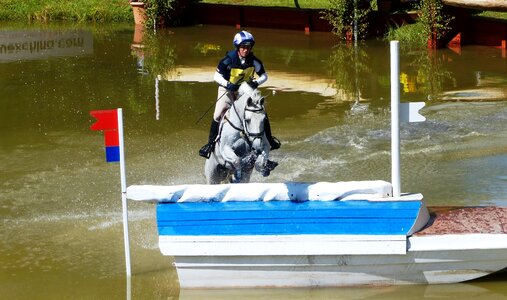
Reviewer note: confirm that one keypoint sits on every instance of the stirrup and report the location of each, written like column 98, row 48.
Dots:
column 274, row 143
column 206, row 150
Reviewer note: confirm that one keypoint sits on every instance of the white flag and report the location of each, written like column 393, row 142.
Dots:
column 409, row 112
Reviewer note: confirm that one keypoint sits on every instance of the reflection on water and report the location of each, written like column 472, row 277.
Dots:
column 444, row 291
column 427, row 74
column 351, row 70
column 60, row 203
column 155, row 54
column 42, row 44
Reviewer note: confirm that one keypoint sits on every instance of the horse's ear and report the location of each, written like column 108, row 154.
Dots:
column 262, row 101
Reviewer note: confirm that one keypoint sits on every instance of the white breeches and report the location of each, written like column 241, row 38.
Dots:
column 225, row 99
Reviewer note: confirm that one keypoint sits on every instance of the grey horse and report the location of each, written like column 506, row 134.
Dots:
column 242, row 143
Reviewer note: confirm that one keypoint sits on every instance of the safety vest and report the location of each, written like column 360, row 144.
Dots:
column 234, row 71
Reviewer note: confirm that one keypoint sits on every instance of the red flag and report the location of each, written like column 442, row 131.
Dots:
column 107, row 121
column 111, row 138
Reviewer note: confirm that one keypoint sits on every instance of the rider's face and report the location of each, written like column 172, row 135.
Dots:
column 243, row 50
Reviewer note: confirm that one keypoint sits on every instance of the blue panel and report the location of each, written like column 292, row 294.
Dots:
column 286, row 217
column 112, row 154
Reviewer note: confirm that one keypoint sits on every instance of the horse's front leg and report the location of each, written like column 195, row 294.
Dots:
column 233, row 161
column 249, row 160
column 260, row 164
column 230, row 157
column 263, row 165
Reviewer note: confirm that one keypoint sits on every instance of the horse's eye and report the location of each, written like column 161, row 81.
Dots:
column 249, row 101
column 262, row 101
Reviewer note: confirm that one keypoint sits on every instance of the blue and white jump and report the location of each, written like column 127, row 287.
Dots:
column 311, row 235
column 248, row 235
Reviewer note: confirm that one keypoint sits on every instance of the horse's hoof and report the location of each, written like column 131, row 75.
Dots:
column 271, row 165
column 253, row 158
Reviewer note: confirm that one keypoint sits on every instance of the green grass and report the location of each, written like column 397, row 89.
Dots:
column 410, row 35
column 277, row 3
column 494, row 15
column 109, row 10
column 75, row 10
column 119, row 10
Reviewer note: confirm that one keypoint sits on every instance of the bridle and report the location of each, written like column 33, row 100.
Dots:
column 243, row 128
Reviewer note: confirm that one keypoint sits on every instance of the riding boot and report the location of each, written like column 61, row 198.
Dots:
column 206, row 150
column 273, row 141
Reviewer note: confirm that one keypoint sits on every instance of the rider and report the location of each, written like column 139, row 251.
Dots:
column 237, row 66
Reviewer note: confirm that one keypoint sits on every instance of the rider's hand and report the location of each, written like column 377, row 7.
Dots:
column 253, row 84
column 232, row 87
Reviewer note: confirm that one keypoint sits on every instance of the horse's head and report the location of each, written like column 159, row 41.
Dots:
column 249, row 111
column 255, row 116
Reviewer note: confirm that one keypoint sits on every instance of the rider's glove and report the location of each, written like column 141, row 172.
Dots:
column 232, row 87
column 253, row 84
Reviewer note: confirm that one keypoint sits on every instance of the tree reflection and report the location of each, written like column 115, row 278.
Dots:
column 156, row 55
column 356, row 76
column 350, row 70
column 427, row 69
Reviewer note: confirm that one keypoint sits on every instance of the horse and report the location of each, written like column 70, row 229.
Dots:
column 242, row 143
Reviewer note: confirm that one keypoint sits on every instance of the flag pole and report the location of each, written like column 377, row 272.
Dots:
column 395, row 119
column 124, row 194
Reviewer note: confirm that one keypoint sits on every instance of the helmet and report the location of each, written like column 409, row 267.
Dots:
column 243, row 38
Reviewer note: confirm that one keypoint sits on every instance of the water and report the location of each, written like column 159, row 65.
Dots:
column 329, row 105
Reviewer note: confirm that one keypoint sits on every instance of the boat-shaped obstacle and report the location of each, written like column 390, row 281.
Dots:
column 320, row 235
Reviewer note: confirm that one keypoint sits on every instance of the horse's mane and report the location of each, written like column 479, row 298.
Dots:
column 246, row 89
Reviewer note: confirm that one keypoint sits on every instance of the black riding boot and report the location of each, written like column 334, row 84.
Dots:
column 273, row 141
column 206, row 150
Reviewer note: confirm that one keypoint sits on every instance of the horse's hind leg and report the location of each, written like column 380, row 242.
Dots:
column 246, row 176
